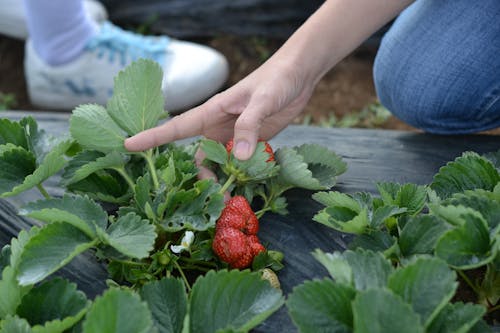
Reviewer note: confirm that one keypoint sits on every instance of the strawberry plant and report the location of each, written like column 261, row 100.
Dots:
column 159, row 229
column 455, row 218
column 367, row 294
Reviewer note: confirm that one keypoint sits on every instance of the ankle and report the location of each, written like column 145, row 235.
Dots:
column 65, row 47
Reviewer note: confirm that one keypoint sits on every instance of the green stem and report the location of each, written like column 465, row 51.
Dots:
column 228, row 183
column 261, row 212
column 125, row 176
column 186, row 282
column 493, row 309
column 198, row 268
column 198, row 262
column 128, row 262
column 468, row 281
column 151, row 165
column 42, row 190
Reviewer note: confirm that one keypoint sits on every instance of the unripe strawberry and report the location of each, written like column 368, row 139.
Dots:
column 269, row 275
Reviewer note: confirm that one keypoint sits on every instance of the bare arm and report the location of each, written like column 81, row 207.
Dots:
column 267, row 100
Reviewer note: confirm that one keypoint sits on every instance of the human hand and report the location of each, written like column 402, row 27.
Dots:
column 257, row 107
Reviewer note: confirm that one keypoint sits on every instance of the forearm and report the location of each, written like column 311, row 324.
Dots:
column 334, row 31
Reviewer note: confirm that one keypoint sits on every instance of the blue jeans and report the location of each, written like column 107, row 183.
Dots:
column 438, row 67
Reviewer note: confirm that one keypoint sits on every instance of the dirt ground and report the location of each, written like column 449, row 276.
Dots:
column 347, row 91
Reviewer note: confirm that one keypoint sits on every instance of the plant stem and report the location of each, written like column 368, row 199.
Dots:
column 186, row 282
column 128, row 262
column 125, row 176
column 198, row 262
column 493, row 309
column 228, row 183
column 468, row 281
column 148, row 156
column 42, row 190
column 261, row 212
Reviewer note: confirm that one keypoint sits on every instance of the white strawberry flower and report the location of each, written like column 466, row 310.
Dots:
column 186, row 242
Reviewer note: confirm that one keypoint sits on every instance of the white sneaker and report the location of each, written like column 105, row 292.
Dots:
column 192, row 72
column 13, row 19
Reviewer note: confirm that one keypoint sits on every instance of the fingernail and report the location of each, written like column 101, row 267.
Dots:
column 242, row 149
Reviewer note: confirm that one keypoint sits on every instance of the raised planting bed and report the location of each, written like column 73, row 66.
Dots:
column 395, row 243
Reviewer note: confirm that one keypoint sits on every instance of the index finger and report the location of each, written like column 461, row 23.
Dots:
column 183, row 126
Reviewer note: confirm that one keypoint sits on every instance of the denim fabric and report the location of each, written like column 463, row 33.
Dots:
column 438, row 67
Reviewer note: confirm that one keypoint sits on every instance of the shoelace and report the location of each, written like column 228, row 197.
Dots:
column 126, row 45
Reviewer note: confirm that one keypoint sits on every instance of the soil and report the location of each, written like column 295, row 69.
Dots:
column 346, row 90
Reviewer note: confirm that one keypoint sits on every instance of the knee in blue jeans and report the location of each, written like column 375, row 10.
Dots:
column 433, row 98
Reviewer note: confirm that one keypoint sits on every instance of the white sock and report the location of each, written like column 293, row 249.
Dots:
column 59, row 29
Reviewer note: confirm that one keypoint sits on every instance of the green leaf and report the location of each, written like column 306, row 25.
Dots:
column 342, row 213
column 494, row 158
column 94, row 129
column 51, row 164
column 214, row 151
column 427, row 284
column 420, row 235
column 370, row 269
column 237, row 300
column 5, row 257
column 78, row 161
column 12, row 132
column 142, row 193
column 137, row 101
column 196, row 209
column 17, row 244
column 377, row 241
column 410, row 196
column 131, row 236
column 103, row 186
column 361, row 268
column 11, row 292
column 381, row 311
column 384, row 212
column 322, row 306
column 53, row 306
column 486, row 203
column 14, row 325
column 453, row 215
column 118, row 311
column 467, row 246
column 51, row 248
column 79, row 211
column 317, row 154
column 167, row 301
column 337, row 266
column 299, row 172
column 456, row 318
column 16, row 164
column 112, row 160
column 467, row 172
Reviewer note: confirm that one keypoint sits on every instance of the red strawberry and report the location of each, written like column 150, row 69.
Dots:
column 238, row 214
column 255, row 245
column 231, row 246
column 268, row 149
